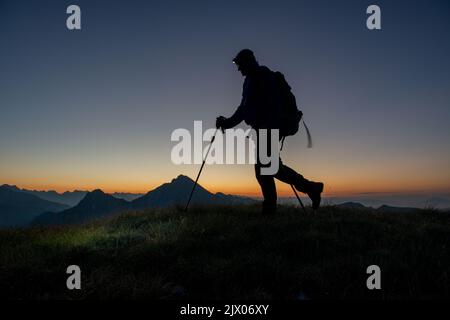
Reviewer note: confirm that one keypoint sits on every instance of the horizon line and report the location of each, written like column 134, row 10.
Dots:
column 244, row 194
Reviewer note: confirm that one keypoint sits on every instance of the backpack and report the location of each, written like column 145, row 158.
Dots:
column 289, row 116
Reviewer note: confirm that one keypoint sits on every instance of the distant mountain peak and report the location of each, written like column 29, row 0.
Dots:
column 95, row 196
column 95, row 204
column 177, row 191
column 18, row 208
column 182, row 179
column 352, row 205
column 11, row 187
column 96, row 192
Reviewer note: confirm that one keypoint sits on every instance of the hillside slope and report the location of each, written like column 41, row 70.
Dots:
column 18, row 208
column 232, row 252
column 95, row 205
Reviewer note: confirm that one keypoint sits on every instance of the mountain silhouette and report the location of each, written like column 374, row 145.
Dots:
column 383, row 208
column 69, row 198
column 174, row 193
column 177, row 193
column 10, row 187
column 19, row 208
column 97, row 204
column 352, row 205
column 386, row 208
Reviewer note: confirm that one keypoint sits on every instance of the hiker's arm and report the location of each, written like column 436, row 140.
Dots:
column 235, row 119
column 239, row 114
column 226, row 123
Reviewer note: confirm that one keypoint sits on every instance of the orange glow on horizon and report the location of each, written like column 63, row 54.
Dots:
column 229, row 180
column 251, row 188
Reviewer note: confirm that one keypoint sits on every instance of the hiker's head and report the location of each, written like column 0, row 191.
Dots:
column 245, row 61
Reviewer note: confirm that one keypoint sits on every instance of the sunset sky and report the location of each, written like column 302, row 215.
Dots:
column 95, row 108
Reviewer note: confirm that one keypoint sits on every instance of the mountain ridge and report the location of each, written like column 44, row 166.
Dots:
column 69, row 198
column 97, row 204
column 20, row 208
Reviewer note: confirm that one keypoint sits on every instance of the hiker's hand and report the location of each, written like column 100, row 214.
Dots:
column 220, row 123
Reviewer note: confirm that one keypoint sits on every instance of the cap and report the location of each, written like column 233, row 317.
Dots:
column 243, row 56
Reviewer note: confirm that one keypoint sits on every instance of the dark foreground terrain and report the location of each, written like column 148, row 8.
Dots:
column 233, row 253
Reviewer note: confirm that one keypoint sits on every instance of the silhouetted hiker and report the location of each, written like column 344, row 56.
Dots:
column 258, row 109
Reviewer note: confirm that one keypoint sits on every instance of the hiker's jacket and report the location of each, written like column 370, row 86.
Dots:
column 259, row 104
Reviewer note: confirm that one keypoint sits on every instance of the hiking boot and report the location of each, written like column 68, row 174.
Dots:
column 314, row 191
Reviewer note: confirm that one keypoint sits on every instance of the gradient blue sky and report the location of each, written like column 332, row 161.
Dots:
column 95, row 108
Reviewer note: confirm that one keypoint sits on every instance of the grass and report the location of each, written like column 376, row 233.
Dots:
column 232, row 253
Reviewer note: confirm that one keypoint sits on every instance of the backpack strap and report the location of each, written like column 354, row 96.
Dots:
column 308, row 134
column 282, row 143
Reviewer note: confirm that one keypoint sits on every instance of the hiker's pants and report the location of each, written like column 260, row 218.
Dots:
column 284, row 174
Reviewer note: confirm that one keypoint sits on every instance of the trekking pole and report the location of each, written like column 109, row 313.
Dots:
column 298, row 198
column 201, row 168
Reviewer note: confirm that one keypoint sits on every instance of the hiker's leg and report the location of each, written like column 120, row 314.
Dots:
column 269, row 191
column 266, row 182
column 290, row 176
column 311, row 188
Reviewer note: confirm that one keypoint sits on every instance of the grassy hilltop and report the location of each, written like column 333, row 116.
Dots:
column 232, row 252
